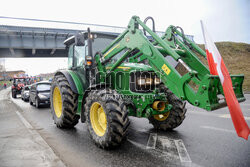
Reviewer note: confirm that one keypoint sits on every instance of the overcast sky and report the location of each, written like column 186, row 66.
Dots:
column 226, row 20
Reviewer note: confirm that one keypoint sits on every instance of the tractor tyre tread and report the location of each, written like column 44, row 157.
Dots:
column 69, row 118
column 176, row 115
column 13, row 94
column 116, row 115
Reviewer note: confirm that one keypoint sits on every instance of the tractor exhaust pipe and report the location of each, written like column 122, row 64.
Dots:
column 159, row 105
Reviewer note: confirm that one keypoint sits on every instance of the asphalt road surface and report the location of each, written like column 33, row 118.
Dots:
column 203, row 139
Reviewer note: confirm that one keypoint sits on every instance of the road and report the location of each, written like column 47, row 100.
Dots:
column 204, row 139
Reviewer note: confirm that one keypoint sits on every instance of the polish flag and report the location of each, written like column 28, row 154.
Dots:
column 217, row 67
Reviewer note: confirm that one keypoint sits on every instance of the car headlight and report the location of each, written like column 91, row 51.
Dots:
column 41, row 96
column 157, row 81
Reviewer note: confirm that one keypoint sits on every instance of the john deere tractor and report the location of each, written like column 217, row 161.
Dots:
column 135, row 73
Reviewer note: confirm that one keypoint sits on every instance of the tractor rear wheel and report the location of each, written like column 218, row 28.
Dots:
column 174, row 117
column 63, row 103
column 106, row 118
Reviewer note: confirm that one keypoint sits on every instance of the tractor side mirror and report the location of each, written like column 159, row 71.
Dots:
column 79, row 40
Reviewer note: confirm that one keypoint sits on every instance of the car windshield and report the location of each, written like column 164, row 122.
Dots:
column 43, row 87
column 27, row 88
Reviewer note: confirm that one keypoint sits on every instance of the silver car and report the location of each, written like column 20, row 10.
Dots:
column 25, row 95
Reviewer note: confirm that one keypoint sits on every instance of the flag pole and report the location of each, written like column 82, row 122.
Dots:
column 203, row 32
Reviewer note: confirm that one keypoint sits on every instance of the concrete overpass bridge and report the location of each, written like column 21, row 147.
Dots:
column 33, row 41
column 20, row 41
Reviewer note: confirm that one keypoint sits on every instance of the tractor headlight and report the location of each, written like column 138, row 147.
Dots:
column 149, row 81
column 157, row 81
column 145, row 81
column 141, row 81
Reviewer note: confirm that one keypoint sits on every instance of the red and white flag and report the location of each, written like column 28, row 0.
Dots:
column 217, row 67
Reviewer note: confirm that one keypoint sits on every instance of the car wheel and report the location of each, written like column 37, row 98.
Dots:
column 37, row 103
column 31, row 103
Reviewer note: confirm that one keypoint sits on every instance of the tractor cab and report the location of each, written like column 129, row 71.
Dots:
column 83, row 47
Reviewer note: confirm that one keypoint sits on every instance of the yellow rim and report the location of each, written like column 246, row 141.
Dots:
column 98, row 119
column 162, row 117
column 57, row 102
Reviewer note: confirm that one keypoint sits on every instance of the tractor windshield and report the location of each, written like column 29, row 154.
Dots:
column 19, row 80
column 101, row 43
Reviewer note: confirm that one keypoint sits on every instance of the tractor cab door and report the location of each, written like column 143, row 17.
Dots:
column 76, row 57
column 79, row 57
column 76, row 60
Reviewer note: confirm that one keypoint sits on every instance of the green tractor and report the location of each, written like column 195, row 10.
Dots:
column 135, row 73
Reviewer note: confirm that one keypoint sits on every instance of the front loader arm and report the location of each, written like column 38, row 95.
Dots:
column 190, row 58
column 132, row 39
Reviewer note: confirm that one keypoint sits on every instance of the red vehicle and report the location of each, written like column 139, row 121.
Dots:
column 18, row 84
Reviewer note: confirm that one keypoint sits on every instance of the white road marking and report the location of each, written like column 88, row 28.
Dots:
column 229, row 116
column 136, row 144
column 216, row 115
column 168, row 148
column 152, row 141
column 171, row 149
column 245, row 104
column 182, row 151
column 218, row 129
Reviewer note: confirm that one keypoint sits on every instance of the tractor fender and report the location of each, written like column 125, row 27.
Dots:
column 70, row 80
column 76, row 86
column 95, row 87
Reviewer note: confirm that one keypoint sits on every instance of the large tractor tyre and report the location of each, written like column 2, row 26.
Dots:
column 106, row 117
column 63, row 103
column 174, row 117
column 13, row 94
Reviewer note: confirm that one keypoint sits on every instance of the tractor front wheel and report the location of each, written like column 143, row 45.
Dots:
column 63, row 103
column 106, row 118
column 13, row 94
column 174, row 117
